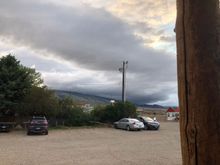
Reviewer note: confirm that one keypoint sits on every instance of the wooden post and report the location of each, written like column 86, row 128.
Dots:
column 198, row 56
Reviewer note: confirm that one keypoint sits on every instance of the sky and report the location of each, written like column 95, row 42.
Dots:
column 80, row 45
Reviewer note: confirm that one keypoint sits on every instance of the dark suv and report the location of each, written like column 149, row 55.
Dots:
column 38, row 124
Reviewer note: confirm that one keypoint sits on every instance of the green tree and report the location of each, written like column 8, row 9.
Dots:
column 65, row 106
column 16, row 81
column 39, row 101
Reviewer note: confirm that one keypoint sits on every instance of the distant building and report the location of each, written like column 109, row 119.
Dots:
column 87, row 108
column 173, row 114
column 112, row 102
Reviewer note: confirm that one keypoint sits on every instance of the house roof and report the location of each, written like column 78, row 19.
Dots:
column 170, row 110
column 177, row 109
column 173, row 110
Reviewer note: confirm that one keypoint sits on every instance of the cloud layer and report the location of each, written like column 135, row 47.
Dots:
column 95, row 42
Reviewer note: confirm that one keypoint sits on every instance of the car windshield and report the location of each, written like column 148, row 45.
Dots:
column 147, row 119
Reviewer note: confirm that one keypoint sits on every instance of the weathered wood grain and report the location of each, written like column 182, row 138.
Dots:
column 198, row 57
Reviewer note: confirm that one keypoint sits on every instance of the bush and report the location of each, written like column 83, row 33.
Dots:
column 77, row 117
column 112, row 113
column 98, row 113
column 72, row 115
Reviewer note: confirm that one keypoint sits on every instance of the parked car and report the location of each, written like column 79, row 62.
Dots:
column 7, row 123
column 4, row 127
column 149, row 124
column 38, row 125
column 129, row 124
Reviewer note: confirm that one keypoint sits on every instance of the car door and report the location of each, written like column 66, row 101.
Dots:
column 125, row 123
column 121, row 123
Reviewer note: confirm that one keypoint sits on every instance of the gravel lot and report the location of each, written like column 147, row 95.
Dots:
column 93, row 146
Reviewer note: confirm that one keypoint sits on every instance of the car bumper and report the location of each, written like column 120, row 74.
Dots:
column 154, row 127
column 38, row 130
column 4, row 128
column 137, row 127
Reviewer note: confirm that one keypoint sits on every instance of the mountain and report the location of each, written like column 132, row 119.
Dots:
column 89, row 99
column 94, row 100
column 151, row 106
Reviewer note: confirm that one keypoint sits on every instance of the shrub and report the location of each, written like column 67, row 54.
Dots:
column 112, row 113
column 72, row 115
column 77, row 117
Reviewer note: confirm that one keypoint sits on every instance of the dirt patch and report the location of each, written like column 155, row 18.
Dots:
column 93, row 146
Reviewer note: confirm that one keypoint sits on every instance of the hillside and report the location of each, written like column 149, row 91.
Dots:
column 90, row 99
column 94, row 100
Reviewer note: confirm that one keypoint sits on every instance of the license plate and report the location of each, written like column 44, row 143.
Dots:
column 3, row 126
column 37, row 128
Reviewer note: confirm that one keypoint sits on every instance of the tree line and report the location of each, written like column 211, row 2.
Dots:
column 23, row 94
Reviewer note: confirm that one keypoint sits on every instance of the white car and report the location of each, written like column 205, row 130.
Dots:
column 129, row 124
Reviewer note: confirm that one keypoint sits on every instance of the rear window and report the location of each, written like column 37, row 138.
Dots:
column 38, row 118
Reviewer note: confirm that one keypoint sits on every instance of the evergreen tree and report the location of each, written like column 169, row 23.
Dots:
column 16, row 81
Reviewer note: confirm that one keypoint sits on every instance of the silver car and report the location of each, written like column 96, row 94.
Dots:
column 129, row 124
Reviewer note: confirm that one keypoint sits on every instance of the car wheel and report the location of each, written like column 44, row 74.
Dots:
column 28, row 133
column 46, row 132
column 115, row 126
column 128, row 128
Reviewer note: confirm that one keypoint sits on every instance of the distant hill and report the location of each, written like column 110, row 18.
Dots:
column 94, row 100
column 90, row 99
column 151, row 106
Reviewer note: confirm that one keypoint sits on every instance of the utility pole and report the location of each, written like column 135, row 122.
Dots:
column 198, row 56
column 123, row 71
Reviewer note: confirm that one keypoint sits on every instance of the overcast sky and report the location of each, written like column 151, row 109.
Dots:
column 80, row 45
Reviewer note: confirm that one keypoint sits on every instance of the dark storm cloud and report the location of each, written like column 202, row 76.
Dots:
column 91, row 38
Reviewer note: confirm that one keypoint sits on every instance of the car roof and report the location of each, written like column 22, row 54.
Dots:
column 132, row 119
column 129, row 119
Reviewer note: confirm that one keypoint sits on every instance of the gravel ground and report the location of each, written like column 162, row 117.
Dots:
column 93, row 146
